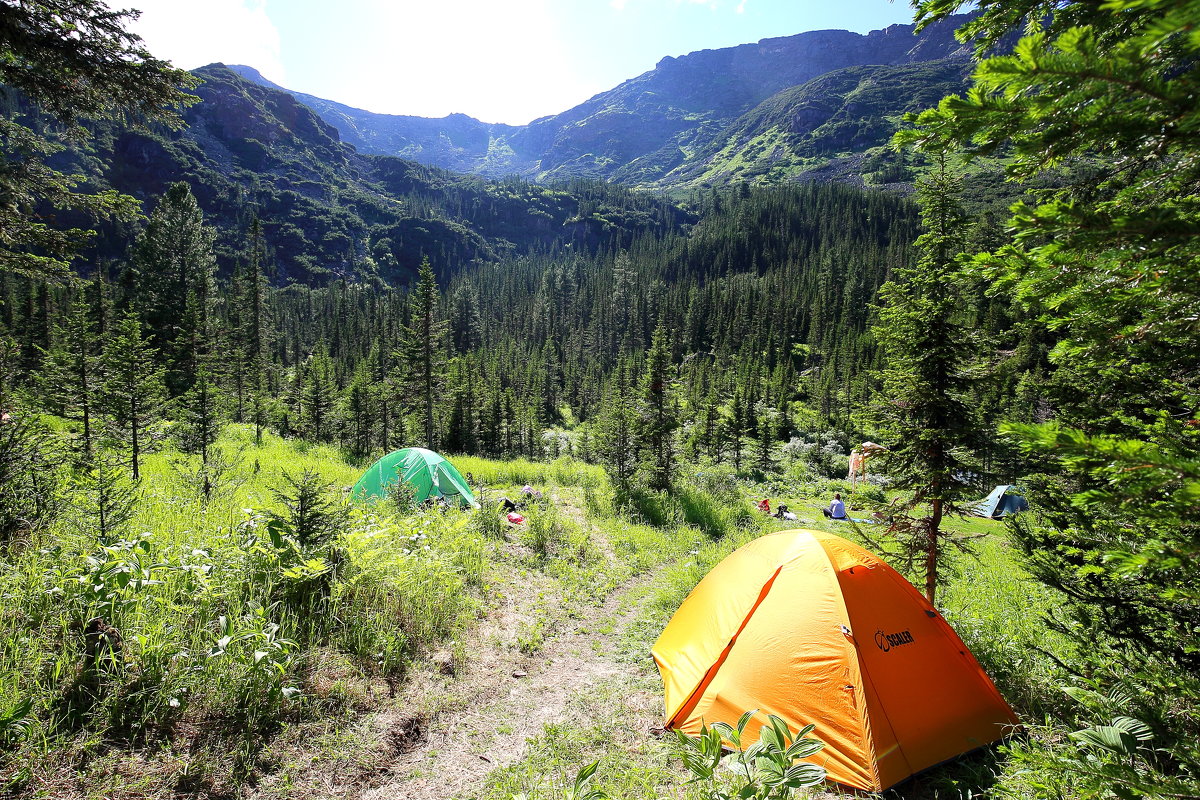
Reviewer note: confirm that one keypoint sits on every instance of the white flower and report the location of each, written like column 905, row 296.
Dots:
column 174, row 702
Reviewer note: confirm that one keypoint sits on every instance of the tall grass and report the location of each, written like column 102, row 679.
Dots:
column 565, row 471
column 204, row 617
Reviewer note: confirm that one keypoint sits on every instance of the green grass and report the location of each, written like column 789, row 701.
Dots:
column 564, row 471
column 218, row 626
column 222, row 631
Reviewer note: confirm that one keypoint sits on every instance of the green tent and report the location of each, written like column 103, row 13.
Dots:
column 429, row 474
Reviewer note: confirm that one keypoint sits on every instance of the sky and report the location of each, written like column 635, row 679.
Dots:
column 507, row 61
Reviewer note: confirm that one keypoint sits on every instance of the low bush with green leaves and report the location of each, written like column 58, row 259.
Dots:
column 772, row 768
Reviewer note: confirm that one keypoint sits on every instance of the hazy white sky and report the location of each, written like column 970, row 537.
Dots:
column 496, row 60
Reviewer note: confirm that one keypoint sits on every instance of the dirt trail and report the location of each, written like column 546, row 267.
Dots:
column 503, row 696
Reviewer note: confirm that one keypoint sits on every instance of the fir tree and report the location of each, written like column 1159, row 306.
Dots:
column 1109, row 258
column 924, row 412
column 173, row 279
column 105, row 499
column 615, row 443
column 75, row 59
column 133, row 392
column 71, row 372
column 28, row 484
column 658, row 415
column 422, row 354
column 320, row 395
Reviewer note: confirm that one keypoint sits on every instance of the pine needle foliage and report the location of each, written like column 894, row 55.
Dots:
column 925, row 416
column 423, row 350
column 1101, row 98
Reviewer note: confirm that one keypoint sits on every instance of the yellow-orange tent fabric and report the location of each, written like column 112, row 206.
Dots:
column 813, row 628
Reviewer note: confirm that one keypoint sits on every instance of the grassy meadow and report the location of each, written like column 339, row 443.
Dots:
column 213, row 648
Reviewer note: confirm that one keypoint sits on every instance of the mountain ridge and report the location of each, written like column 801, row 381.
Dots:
column 646, row 128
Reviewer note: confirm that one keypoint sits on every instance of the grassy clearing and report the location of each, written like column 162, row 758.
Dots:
column 209, row 632
column 565, row 471
column 992, row 603
column 244, row 661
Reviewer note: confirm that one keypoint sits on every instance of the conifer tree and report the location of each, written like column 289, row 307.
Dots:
column 320, row 395
column 28, row 491
column 75, row 59
column 1109, row 258
column 422, row 352
column 615, row 443
column 658, row 415
column 71, row 371
column 172, row 277
column 200, row 426
column 765, row 434
column 466, row 326
column 621, row 302
column 256, row 330
column 924, row 412
column 359, row 412
column 105, row 499
column 735, row 425
column 133, row 392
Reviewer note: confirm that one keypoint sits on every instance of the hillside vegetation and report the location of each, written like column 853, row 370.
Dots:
column 214, row 315
column 244, row 643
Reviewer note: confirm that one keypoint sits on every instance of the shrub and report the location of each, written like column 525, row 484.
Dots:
column 766, row 770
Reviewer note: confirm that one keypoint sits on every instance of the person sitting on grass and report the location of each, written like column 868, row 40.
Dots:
column 837, row 509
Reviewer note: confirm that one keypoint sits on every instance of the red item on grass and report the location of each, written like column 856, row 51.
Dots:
column 515, row 518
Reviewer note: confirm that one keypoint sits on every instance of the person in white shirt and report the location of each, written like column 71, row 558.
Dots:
column 837, row 509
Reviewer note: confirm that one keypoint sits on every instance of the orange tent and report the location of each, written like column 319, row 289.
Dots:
column 813, row 628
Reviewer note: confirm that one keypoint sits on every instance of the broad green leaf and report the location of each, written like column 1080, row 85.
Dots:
column 1114, row 740
column 1135, row 727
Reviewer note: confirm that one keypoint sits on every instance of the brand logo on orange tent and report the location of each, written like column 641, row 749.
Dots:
column 886, row 641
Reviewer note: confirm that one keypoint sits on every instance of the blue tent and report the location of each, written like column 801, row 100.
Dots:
column 1003, row 500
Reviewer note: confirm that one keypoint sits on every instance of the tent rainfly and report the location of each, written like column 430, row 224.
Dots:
column 1003, row 500
column 810, row 627
column 428, row 473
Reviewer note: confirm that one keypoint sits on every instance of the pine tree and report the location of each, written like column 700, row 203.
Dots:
column 924, row 412
column 133, row 392
column 71, row 371
column 422, row 353
column 658, row 415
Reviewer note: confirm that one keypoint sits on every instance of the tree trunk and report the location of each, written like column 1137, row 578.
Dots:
column 932, row 556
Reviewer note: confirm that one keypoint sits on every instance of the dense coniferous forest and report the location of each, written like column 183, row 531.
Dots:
column 767, row 302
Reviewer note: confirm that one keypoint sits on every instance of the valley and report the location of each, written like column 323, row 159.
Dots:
column 883, row 274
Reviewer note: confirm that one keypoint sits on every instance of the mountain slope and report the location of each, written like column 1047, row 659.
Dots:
column 647, row 130
column 330, row 212
column 825, row 124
